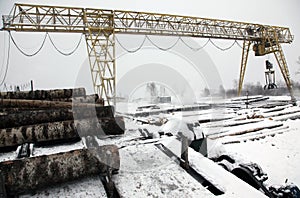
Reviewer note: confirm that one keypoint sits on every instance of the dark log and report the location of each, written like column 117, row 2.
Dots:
column 113, row 126
column 40, row 104
column 40, row 133
column 30, row 174
column 83, row 99
column 65, row 131
column 44, row 94
column 31, row 117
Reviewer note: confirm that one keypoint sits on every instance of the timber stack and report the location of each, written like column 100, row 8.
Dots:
column 49, row 118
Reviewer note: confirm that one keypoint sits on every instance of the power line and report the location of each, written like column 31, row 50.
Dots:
column 24, row 53
column 65, row 53
column 7, row 63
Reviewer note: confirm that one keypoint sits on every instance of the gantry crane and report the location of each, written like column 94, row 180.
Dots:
column 100, row 27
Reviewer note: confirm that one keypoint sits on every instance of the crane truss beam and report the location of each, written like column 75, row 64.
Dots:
column 42, row 18
column 100, row 27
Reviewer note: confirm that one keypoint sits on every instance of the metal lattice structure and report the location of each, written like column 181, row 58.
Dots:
column 100, row 26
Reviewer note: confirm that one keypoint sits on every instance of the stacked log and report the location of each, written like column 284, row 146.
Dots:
column 21, row 104
column 44, row 117
column 51, row 117
column 44, row 94
column 30, row 117
column 29, row 174
column 39, row 133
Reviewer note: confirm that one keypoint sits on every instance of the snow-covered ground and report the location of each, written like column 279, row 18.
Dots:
column 263, row 134
column 278, row 156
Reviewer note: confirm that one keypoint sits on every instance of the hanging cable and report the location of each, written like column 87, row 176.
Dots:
column 131, row 51
column 192, row 48
column 173, row 45
column 24, row 53
column 239, row 44
column 65, row 53
column 223, row 49
column 163, row 49
column 7, row 62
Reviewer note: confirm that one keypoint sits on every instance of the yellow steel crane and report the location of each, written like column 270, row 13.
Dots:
column 100, row 27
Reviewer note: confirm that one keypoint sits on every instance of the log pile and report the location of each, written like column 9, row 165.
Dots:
column 45, row 94
column 51, row 116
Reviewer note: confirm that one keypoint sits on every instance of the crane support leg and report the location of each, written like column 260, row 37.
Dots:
column 246, row 47
column 284, row 71
column 101, row 52
column 100, row 41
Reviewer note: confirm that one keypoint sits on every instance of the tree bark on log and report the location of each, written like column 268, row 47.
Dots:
column 82, row 99
column 40, row 104
column 27, row 175
column 65, row 131
column 39, row 133
column 44, row 94
column 31, row 117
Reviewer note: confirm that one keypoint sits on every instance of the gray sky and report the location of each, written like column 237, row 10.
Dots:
column 49, row 69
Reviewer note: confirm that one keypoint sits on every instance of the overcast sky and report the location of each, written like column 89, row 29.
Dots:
column 49, row 69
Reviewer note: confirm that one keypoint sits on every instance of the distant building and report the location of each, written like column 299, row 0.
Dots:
column 163, row 99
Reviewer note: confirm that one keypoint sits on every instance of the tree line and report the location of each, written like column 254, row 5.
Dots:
column 252, row 89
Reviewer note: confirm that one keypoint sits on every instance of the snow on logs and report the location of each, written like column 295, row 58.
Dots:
column 44, row 94
column 30, row 117
column 33, row 120
column 29, row 174
column 63, row 131
column 21, row 104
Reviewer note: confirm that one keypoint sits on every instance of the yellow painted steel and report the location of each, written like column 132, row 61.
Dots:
column 100, row 27
column 245, row 53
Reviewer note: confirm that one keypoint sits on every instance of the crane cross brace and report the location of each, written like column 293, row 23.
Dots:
column 101, row 25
